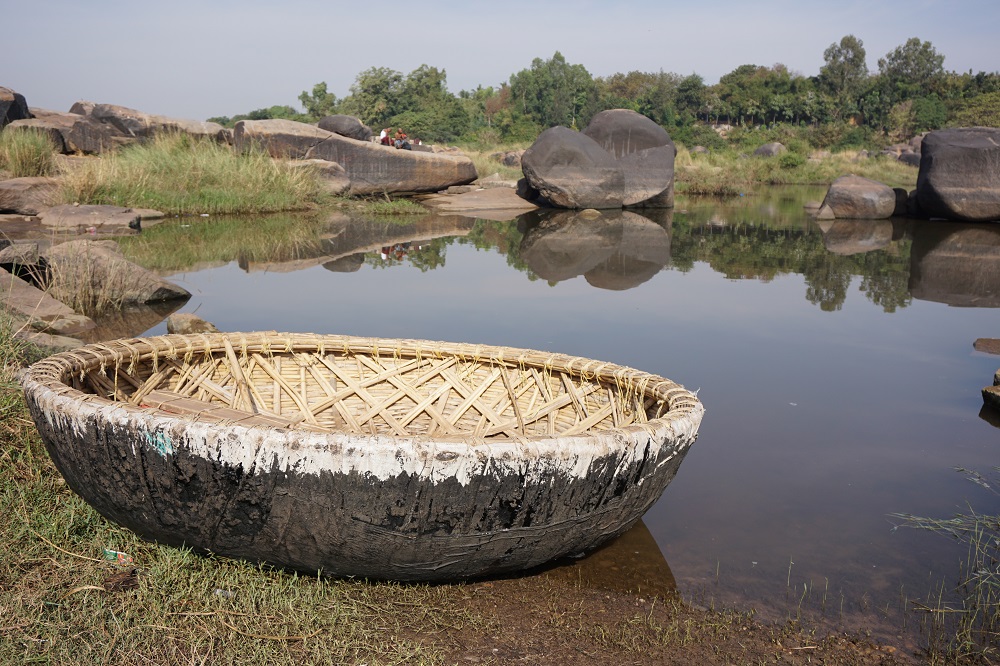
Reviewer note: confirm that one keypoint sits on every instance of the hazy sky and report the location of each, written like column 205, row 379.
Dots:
column 195, row 60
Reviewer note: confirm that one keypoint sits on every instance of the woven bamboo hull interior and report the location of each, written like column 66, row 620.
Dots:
column 502, row 439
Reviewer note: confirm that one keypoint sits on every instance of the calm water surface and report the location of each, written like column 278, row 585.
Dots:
column 835, row 363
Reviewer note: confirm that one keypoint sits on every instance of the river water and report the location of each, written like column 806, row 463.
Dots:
column 835, row 362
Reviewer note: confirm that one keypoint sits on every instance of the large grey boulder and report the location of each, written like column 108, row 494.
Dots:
column 375, row 169
column 571, row 170
column 371, row 168
column 620, row 159
column 644, row 152
column 348, row 126
column 12, row 106
column 959, row 176
column 857, row 198
column 279, row 138
column 85, row 272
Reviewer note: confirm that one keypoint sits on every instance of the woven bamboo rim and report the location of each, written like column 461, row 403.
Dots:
column 328, row 383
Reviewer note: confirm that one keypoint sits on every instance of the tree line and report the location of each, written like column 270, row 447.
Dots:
column 845, row 104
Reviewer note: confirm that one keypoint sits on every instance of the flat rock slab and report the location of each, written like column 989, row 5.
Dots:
column 43, row 312
column 87, row 216
column 28, row 195
column 987, row 346
column 372, row 168
column 497, row 204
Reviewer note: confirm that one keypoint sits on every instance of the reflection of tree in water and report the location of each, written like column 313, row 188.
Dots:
column 885, row 280
column 827, row 281
column 502, row 237
column 739, row 251
column 750, row 251
column 425, row 255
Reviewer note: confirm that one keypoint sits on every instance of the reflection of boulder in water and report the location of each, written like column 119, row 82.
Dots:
column 846, row 237
column 614, row 250
column 957, row 264
column 349, row 264
column 642, row 253
column 567, row 244
column 131, row 321
column 632, row 563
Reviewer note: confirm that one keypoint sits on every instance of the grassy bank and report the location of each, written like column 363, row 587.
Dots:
column 68, row 597
column 180, row 175
column 727, row 173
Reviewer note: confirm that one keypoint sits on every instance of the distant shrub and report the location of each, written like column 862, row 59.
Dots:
column 790, row 160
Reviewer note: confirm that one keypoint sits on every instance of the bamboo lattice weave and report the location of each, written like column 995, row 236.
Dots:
column 374, row 386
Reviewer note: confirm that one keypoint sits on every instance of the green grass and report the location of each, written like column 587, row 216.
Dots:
column 726, row 173
column 388, row 207
column 181, row 175
column 27, row 153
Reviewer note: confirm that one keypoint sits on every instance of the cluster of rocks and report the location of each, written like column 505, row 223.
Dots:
column 339, row 147
column 907, row 153
column 38, row 282
column 959, row 179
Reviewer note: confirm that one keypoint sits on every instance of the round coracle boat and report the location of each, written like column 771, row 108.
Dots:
column 377, row 458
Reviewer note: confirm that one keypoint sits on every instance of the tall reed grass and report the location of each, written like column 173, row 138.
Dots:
column 26, row 153
column 181, row 175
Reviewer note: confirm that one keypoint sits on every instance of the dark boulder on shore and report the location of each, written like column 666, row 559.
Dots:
column 571, row 170
column 959, row 175
column 644, row 151
column 348, row 126
column 620, row 159
column 857, row 198
column 12, row 107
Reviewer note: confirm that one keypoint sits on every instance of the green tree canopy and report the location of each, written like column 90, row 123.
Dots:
column 911, row 70
column 554, row 92
column 845, row 74
column 319, row 103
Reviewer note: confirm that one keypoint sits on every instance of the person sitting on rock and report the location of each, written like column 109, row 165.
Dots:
column 400, row 140
column 384, row 137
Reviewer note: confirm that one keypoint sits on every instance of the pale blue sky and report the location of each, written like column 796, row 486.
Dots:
column 189, row 59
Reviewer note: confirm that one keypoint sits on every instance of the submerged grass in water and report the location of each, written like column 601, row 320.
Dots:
column 972, row 629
